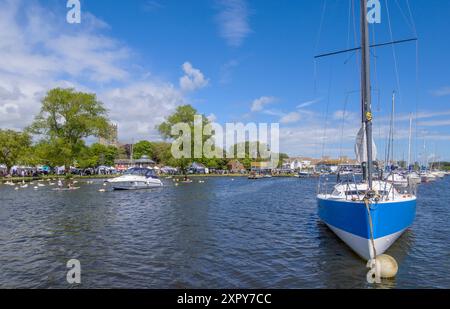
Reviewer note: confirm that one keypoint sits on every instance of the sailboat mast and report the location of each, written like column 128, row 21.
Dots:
column 365, row 89
column 393, row 130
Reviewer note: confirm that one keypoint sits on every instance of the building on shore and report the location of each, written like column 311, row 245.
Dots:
column 234, row 166
column 299, row 163
column 325, row 163
column 260, row 167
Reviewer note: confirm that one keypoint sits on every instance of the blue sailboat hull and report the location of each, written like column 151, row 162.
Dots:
column 350, row 221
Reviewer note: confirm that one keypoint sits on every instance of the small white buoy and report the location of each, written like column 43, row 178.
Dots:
column 102, row 190
column 16, row 188
column 36, row 187
column 176, row 185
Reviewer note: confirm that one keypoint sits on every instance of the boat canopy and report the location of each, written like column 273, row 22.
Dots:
column 140, row 171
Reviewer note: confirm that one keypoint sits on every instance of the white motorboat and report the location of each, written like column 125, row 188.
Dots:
column 136, row 178
column 438, row 174
column 305, row 174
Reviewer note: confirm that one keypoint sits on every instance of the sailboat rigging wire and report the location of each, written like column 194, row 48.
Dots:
column 377, row 83
column 327, row 111
column 319, row 34
column 324, row 7
column 349, row 23
column 416, row 147
column 411, row 18
column 355, row 35
column 343, row 124
column 408, row 22
column 394, row 55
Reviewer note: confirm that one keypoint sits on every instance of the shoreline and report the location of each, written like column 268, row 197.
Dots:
column 30, row 179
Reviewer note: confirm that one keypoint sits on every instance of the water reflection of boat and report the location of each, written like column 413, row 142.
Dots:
column 136, row 178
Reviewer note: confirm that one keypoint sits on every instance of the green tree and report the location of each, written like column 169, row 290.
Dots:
column 52, row 152
column 143, row 148
column 249, row 146
column 183, row 114
column 162, row 152
column 282, row 157
column 66, row 118
column 13, row 146
column 96, row 155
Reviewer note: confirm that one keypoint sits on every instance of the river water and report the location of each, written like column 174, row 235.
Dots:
column 223, row 233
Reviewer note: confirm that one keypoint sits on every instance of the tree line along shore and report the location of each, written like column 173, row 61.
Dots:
column 67, row 118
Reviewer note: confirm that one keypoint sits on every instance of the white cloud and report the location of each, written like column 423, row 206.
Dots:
column 290, row 118
column 273, row 112
column 443, row 91
column 259, row 104
column 212, row 117
column 233, row 21
column 435, row 123
column 42, row 51
column 308, row 103
column 193, row 78
column 152, row 5
column 419, row 115
column 226, row 71
column 138, row 108
column 344, row 115
column 307, row 139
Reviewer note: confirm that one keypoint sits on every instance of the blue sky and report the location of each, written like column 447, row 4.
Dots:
column 235, row 61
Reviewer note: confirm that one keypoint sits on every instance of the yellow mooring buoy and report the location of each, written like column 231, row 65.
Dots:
column 389, row 266
column 383, row 266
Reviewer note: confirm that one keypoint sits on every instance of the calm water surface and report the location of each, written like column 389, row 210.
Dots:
column 223, row 233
